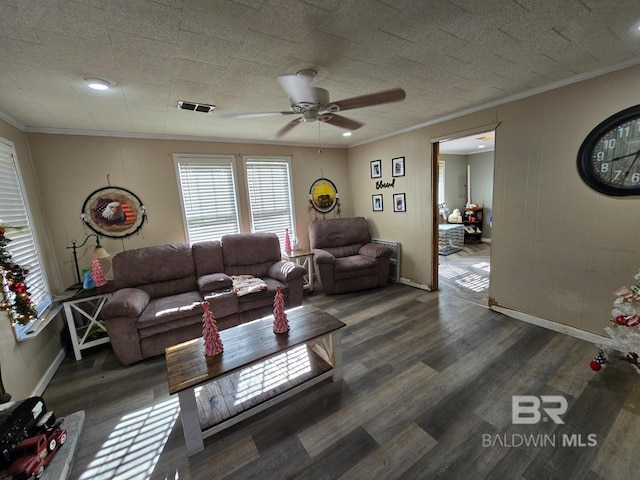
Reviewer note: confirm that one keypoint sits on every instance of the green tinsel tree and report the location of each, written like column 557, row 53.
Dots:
column 15, row 296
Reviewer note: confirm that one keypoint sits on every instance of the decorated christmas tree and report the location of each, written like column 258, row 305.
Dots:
column 280, row 322
column 625, row 329
column 15, row 295
column 96, row 272
column 212, row 341
column 287, row 241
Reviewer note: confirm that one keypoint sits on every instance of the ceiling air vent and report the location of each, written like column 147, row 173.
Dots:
column 196, row 107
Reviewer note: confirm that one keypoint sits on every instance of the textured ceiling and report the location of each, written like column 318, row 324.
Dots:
column 450, row 57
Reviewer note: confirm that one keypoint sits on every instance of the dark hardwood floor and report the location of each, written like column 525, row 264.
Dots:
column 467, row 274
column 427, row 393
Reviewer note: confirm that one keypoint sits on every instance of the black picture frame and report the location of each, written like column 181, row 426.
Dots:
column 377, row 202
column 399, row 202
column 376, row 168
column 397, row 167
column 113, row 212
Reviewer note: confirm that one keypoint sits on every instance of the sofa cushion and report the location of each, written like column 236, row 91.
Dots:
column 263, row 297
column 208, row 257
column 167, row 310
column 161, row 270
column 222, row 303
column 338, row 232
column 214, row 281
column 344, row 251
column 127, row 302
column 355, row 266
column 250, row 253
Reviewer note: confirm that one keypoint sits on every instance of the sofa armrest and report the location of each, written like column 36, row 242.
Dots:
column 375, row 250
column 286, row 271
column 214, row 281
column 126, row 302
column 322, row 256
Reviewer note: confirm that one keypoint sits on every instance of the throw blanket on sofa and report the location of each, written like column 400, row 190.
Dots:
column 245, row 284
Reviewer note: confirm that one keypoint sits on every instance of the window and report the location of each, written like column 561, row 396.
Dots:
column 208, row 190
column 14, row 212
column 270, row 198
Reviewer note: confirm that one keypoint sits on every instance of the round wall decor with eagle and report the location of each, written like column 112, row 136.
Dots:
column 113, row 212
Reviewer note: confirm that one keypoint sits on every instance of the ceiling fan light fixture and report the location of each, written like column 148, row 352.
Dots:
column 97, row 83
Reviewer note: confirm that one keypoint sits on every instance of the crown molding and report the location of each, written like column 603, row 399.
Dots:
column 511, row 98
column 12, row 121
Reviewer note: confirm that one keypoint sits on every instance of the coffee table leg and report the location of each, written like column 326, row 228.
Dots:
column 337, row 355
column 190, row 422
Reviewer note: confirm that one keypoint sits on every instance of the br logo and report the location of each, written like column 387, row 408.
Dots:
column 526, row 409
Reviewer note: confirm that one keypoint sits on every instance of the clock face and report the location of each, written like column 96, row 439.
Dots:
column 609, row 158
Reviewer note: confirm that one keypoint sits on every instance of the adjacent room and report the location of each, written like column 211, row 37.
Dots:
column 465, row 216
column 310, row 239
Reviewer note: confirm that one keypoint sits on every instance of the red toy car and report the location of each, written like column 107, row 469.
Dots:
column 34, row 453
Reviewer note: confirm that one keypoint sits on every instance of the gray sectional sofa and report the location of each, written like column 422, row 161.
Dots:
column 160, row 290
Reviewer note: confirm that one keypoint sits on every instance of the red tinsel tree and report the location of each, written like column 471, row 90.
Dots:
column 287, row 241
column 280, row 322
column 15, row 295
column 96, row 272
column 212, row 341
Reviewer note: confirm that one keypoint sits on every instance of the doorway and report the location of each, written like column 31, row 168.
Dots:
column 465, row 215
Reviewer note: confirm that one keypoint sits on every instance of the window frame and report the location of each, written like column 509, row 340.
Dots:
column 206, row 159
column 45, row 298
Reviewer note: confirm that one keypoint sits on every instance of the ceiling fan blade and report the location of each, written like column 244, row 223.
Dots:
column 253, row 114
column 299, row 88
column 284, row 130
column 386, row 96
column 338, row 121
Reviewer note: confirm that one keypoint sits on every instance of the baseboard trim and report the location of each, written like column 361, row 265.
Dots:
column 411, row 283
column 51, row 371
column 550, row 325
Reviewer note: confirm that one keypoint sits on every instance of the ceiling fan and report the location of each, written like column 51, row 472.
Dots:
column 313, row 104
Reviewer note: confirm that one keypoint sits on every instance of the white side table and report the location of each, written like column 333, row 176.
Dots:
column 82, row 312
column 305, row 259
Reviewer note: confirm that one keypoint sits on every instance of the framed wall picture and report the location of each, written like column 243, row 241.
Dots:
column 399, row 202
column 397, row 167
column 376, row 168
column 376, row 202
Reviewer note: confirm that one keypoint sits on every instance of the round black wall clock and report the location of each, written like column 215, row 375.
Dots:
column 113, row 212
column 609, row 157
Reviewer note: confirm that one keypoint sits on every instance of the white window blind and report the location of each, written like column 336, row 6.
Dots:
column 270, row 198
column 441, row 182
column 208, row 192
column 23, row 247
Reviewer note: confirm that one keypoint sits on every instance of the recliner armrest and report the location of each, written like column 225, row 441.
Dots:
column 375, row 250
column 322, row 256
column 286, row 271
column 126, row 302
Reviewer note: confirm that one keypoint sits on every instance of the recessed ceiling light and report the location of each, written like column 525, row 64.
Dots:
column 480, row 146
column 346, row 134
column 97, row 83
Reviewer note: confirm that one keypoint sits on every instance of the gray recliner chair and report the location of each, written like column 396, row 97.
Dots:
column 344, row 258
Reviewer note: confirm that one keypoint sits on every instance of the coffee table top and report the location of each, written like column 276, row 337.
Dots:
column 188, row 366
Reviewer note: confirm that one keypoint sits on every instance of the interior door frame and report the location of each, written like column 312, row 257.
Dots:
column 435, row 157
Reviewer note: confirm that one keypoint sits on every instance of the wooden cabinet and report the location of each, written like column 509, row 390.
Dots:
column 472, row 221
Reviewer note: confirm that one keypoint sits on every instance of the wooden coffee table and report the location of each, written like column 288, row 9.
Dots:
column 256, row 370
